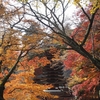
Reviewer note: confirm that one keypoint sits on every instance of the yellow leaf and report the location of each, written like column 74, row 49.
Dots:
column 1, row 50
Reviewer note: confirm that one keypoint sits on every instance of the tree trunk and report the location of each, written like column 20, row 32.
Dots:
column 83, row 52
column 1, row 92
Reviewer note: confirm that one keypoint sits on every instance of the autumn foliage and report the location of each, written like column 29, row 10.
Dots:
column 28, row 36
column 85, row 79
column 25, row 88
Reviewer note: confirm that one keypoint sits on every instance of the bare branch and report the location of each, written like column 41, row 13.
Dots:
column 54, row 21
column 42, row 17
column 89, row 27
column 84, row 12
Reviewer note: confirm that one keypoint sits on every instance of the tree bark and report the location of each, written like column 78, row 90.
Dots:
column 80, row 49
column 94, row 60
column 4, row 80
column 1, row 92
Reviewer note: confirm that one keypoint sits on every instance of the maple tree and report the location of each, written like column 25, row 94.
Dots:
column 25, row 87
column 55, row 22
column 25, row 84
column 84, row 39
column 13, row 45
column 9, row 44
column 85, row 80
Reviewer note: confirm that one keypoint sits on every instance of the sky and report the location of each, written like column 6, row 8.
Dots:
column 71, row 9
column 69, row 12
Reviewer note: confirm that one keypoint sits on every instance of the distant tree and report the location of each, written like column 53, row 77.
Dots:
column 13, row 48
column 85, row 75
column 84, row 39
column 51, row 19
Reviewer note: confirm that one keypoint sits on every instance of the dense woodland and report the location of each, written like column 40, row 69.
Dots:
column 30, row 28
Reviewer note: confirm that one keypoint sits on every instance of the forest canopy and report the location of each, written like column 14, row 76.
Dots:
column 30, row 30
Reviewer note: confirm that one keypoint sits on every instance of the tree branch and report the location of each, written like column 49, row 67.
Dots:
column 89, row 28
column 4, row 80
column 84, row 12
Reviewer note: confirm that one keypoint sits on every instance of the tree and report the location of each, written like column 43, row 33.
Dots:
column 85, row 75
column 84, row 38
column 55, row 21
column 23, row 87
column 10, row 53
column 21, row 82
column 9, row 63
column 14, row 46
